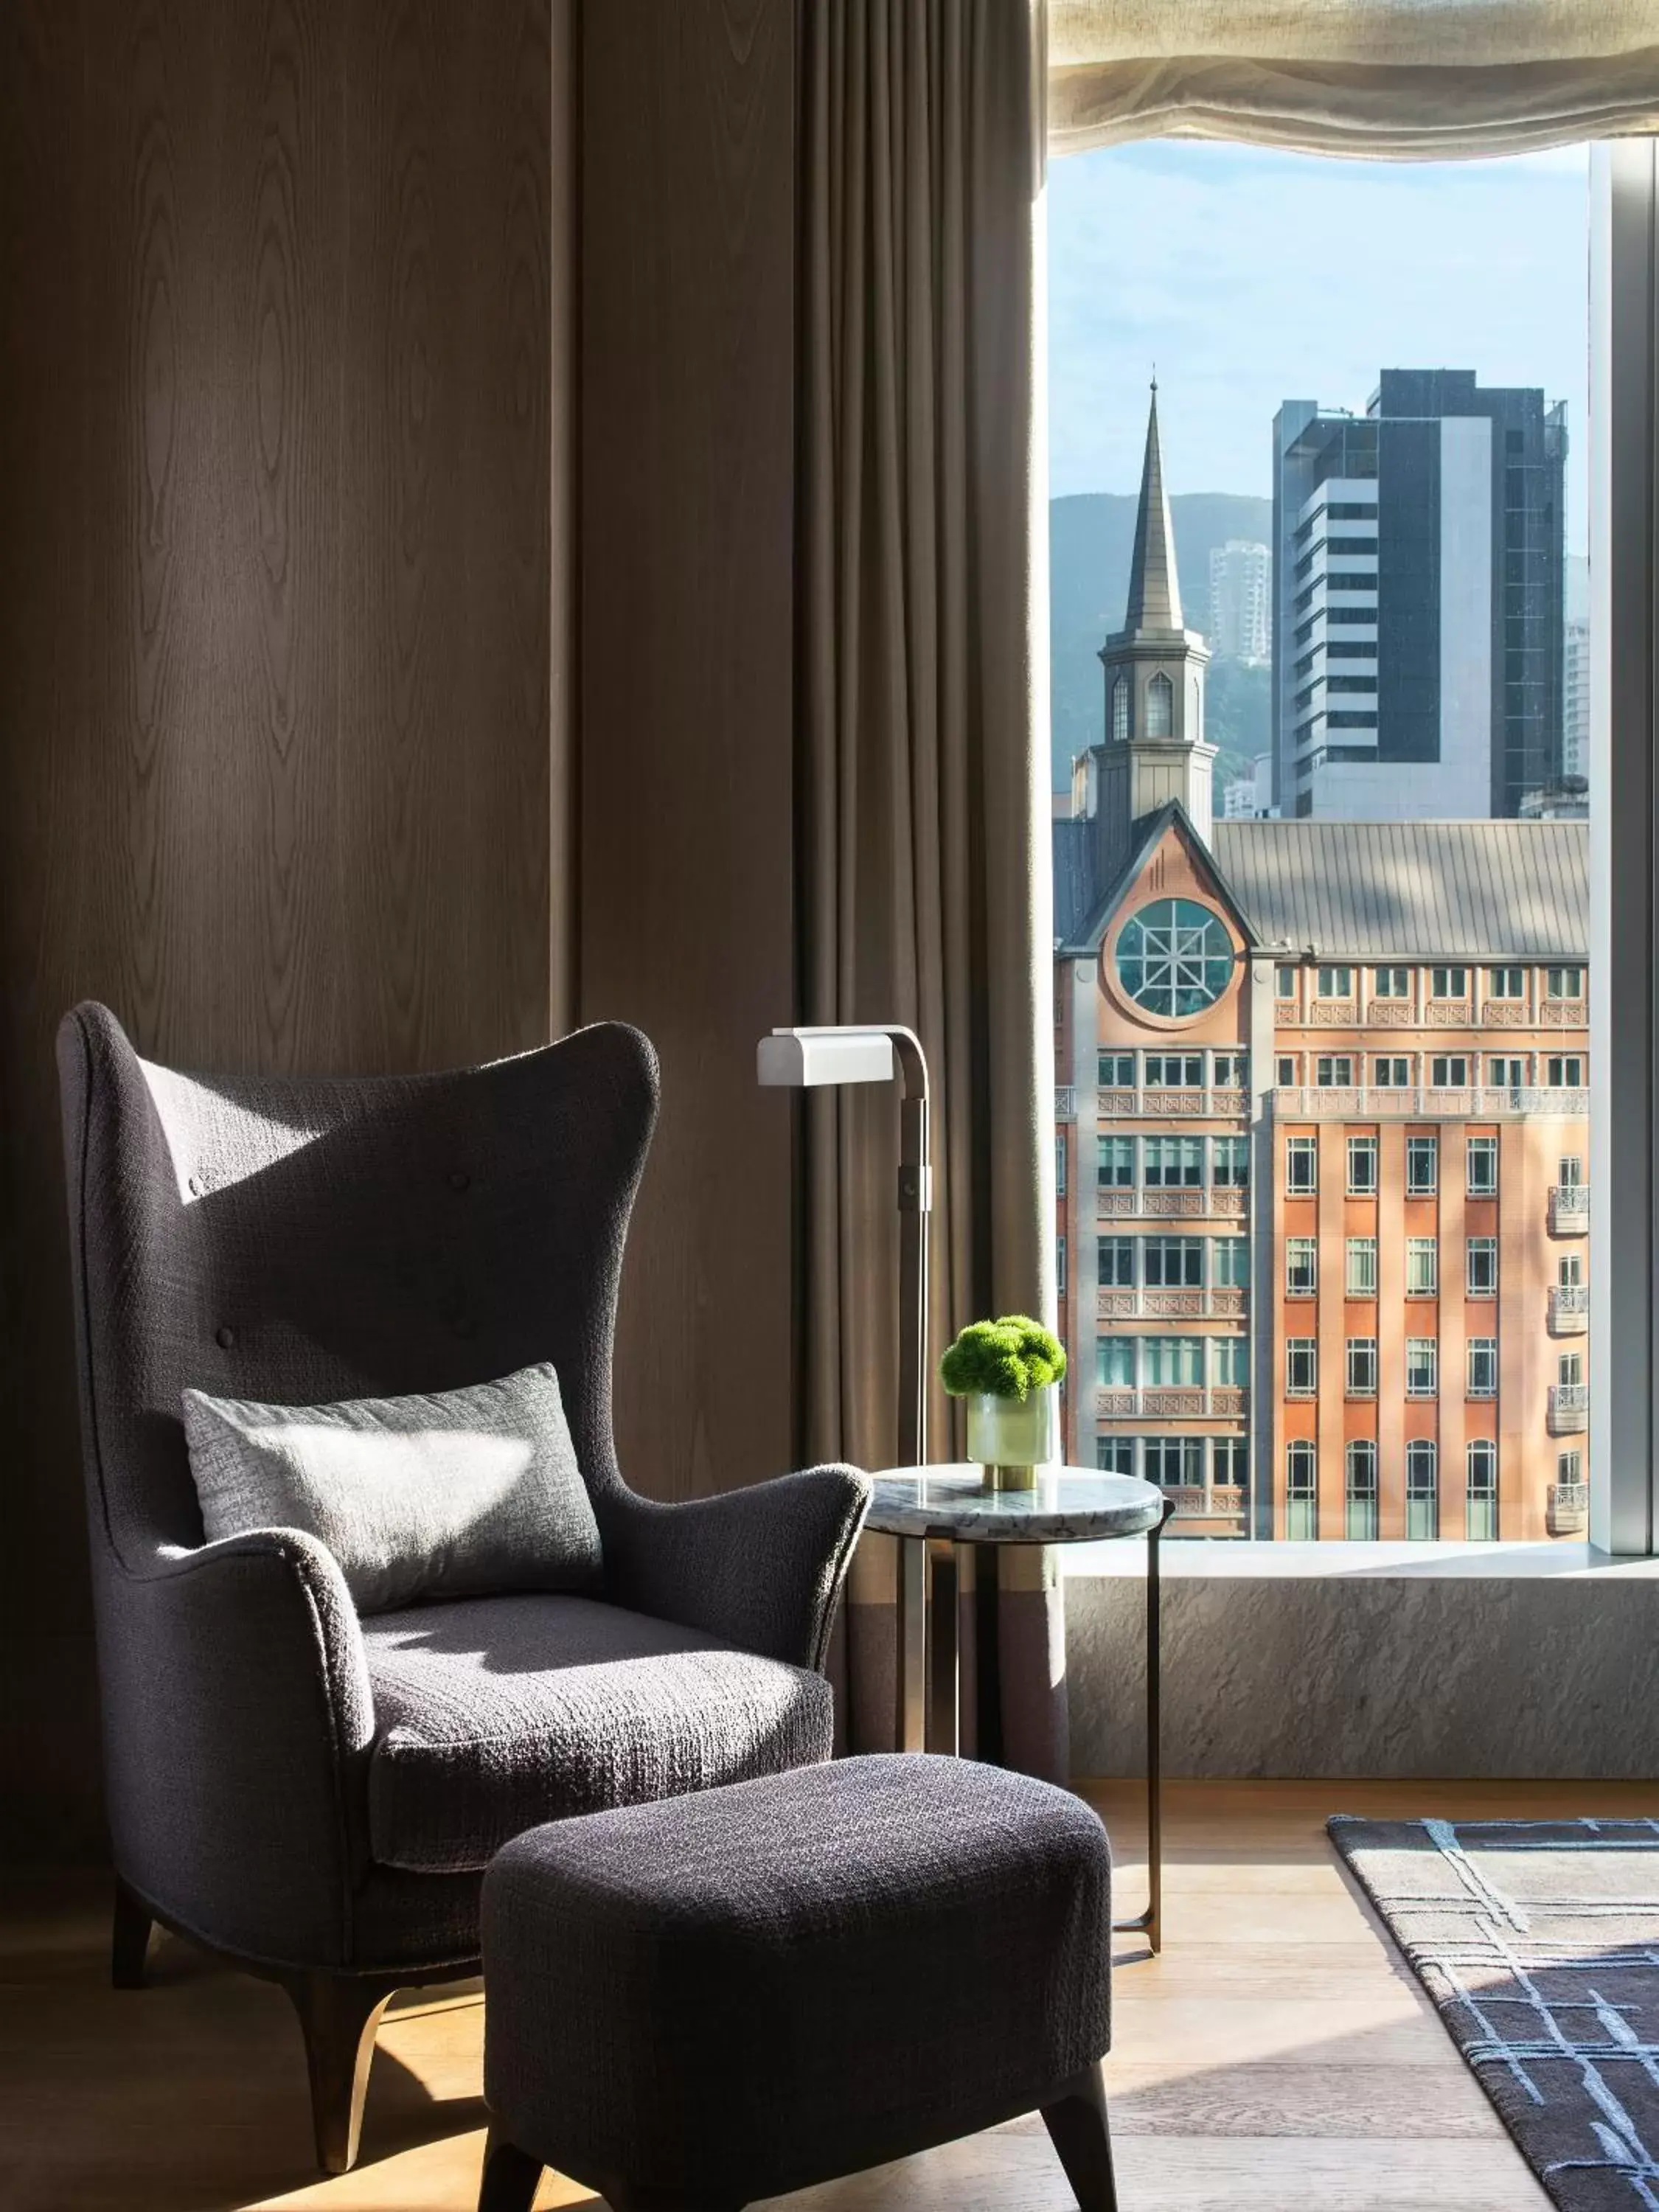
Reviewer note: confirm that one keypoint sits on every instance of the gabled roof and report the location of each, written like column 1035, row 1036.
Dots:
column 1086, row 917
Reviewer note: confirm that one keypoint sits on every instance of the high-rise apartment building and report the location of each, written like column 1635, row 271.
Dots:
column 1240, row 601
column 1418, row 562
column 1575, row 698
column 1322, row 1136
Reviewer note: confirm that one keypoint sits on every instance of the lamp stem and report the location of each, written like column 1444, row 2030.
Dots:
column 915, row 1200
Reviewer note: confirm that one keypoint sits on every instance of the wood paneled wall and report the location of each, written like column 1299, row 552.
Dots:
column 688, row 337
column 281, row 416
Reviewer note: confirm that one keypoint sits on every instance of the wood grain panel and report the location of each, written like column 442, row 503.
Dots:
column 686, row 521
column 277, row 612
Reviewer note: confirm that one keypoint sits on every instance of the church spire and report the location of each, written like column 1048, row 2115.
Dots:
column 1154, row 587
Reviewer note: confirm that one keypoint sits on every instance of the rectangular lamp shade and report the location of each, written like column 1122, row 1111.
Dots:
column 804, row 1060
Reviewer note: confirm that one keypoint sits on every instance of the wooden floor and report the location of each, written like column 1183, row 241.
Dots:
column 1277, row 2055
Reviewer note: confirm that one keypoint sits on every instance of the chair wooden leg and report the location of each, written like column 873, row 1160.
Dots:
column 129, row 1940
column 510, row 2176
column 339, row 2016
column 1076, row 2121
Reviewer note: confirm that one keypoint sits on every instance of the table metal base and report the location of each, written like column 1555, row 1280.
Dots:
column 931, row 1579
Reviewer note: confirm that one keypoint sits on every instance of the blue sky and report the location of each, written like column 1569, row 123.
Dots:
column 1252, row 278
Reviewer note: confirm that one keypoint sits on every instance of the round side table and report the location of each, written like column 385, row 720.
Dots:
column 934, row 1512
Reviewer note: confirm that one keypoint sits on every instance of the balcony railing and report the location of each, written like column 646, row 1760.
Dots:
column 1569, row 1408
column 1566, row 1509
column 1172, row 1402
column 1564, row 1014
column 1158, row 1102
column 1221, row 1510
column 1419, row 1101
column 1185, row 1203
column 1570, row 1310
column 1569, row 1209
column 1065, row 1103
column 1153, row 1303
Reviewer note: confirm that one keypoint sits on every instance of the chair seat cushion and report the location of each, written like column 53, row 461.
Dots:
column 753, row 1990
column 494, row 1714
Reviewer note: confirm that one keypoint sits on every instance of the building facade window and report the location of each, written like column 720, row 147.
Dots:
column 1115, row 1363
column 1230, row 1071
column 1160, row 707
column 1506, row 1072
column 1230, row 1163
column 1362, row 1167
column 1422, row 1166
column 1335, row 982
column 1362, row 1367
column 1360, row 1281
column 1114, row 1163
column 1564, row 1070
column 1422, row 1367
column 1115, row 1258
column 1481, row 1503
column 1174, row 957
column 1174, row 1071
column 1449, row 1071
column 1570, row 1171
column 1360, row 1473
column 1334, row 1071
column 1482, row 1166
column 1391, row 983
column 1569, row 1369
column 1301, row 1491
column 1172, row 1363
column 1391, row 1070
column 1173, row 1163
column 1230, row 1463
column 1230, row 1362
column 1121, row 711
column 1115, row 1455
column 1300, row 1166
column 1563, row 982
column 1449, row 982
column 1422, row 1268
column 1231, row 1259
column 1301, row 1266
column 1569, row 1469
column 1284, row 1071
column 1481, row 1281
column 1483, row 1367
column 1060, row 1167
column 1284, row 982
column 1301, row 1366
column 1060, row 1262
column 1173, row 1263
column 1422, row 1491
column 1116, row 1071
column 1506, row 983
column 1173, row 1462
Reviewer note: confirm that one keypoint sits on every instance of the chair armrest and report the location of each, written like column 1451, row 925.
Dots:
column 238, row 1718
column 761, row 1567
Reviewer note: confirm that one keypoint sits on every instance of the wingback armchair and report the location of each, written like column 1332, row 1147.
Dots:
column 317, row 1794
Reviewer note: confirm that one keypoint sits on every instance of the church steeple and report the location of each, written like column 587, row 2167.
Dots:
column 1154, row 586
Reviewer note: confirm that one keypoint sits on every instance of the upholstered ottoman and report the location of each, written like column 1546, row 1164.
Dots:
column 714, row 1998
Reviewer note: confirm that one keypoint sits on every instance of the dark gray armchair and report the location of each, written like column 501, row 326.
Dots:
column 315, row 1794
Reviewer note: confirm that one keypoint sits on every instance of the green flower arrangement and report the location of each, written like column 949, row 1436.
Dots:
column 1008, row 1358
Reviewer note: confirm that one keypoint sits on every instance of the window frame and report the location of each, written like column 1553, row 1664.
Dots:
column 1358, row 1247
column 1481, row 1349
column 1422, row 1145
column 1363, row 1148
column 1302, row 1248
column 1359, row 1353
column 1418, row 1250
column 1487, row 1150
column 1301, row 1357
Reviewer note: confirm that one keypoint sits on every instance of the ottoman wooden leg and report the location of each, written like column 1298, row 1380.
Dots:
column 1076, row 2121
column 510, row 2176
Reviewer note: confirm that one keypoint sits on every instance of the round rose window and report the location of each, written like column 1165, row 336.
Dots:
column 1174, row 957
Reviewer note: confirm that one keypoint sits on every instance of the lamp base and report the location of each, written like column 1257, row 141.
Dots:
column 1008, row 1478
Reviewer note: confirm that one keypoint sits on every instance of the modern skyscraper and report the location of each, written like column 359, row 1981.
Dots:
column 1418, row 601
column 1240, row 601
column 1575, row 699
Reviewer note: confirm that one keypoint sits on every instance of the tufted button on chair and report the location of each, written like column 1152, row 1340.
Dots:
column 317, row 1794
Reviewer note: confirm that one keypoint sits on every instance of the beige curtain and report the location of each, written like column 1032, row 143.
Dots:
column 923, row 835
column 1396, row 80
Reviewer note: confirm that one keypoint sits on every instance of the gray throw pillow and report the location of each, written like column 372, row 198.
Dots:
column 460, row 1493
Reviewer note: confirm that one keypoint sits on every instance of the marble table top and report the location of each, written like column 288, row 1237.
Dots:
column 1070, row 1505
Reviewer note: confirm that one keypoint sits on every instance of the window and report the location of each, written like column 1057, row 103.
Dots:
column 1483, row 1367
column 1391, row 983
column 1506, row 983
column 1230, row 1362
column 1115, row 1455
column 1060, row 1262
column 1334, row 1071
column 1569, row 1369
column 1301, row 1366
column 1481, row 1504
column 1172, row 1262
column 1564, row 1070
column 1449, row 982
column 1174, row 957
column 1563, row 982
column 1422, row 1367
column 1569, row 1172
column 1231, row 1263
column 1422, row 1268
column 1230, row 1463
column 1361, row 1280
column 1359, row 1523
column 1449, row 1071
column 1422, row 1166
column 1336, row 982
column 1482, row 1279
column 1229, row 1158
column 1301, row 1266
column 1422, row 1491
column 1284, row 982
column 1174, row 1071
column 1230, row 1071
column 1361, row 1380
column 1570, row 1271
column 1116, row 1257
column 1284, row 1074
column 1362, row 1167
column 1391, row 1072
column 1176, row 1462
column 1116, row 1162
column 1160, row 707
column 1169, row 1162
column 1120, row 710
column 1569, row 1469
column 1172, row 1363
column 1506, row 1072
column 1059, row 1166
column 1116, row 1071
column 1301, row 1491
column 1115, row 1362
column 1483, row 1167
column 1300, row 1166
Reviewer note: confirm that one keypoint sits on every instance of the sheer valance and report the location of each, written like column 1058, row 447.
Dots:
column 1396, row 80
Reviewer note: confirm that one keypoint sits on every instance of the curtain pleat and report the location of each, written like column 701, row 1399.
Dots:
column 923, row 831
column 1387, row 80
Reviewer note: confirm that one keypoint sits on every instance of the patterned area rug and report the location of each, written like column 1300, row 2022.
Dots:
column 1538, row 1942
